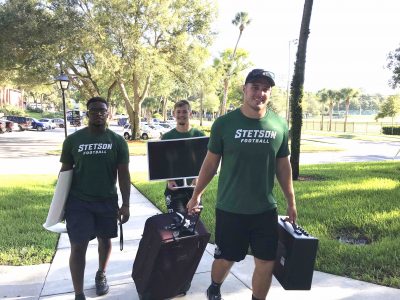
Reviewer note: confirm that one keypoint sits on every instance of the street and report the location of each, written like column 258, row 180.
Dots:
column 26, row 151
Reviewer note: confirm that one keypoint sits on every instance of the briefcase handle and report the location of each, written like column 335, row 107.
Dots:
column 296, row 228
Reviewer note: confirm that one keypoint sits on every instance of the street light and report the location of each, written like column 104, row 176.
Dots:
column 294, row 42
column 63, row 83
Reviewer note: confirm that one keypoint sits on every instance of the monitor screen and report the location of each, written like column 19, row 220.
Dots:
column 176, row 159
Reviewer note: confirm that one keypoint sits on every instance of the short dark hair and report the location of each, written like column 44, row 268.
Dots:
column 181, row 103
column 96, row 99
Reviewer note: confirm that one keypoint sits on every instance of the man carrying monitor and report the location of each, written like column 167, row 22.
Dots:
column 176, row 196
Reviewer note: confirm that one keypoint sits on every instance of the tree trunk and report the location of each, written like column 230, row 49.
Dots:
column 347, row 113
column 322, row 123
column 297, row 89
column 201, row 107
column 330, row 115
column 137, row 103
column 128, row 105
column 222, row 109
column 164, row 107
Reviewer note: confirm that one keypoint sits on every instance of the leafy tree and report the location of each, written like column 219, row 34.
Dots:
column 32, row 38
column 394, row 66
column 389, row 108
column 297, row 86
column 241, row 20
column 113, row 48
column 224, row 65
column 311, row 106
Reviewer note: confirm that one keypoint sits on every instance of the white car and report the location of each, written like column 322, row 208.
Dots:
column 159, row 128
column 58, row 122
column 145, row 132
column 48, row 123
column 168, row 126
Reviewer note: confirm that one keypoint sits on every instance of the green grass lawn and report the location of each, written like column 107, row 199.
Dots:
column 347, row 200
column 353, row 201
column 24, row 203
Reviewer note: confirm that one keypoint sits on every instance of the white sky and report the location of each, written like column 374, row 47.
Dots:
column 347, row 47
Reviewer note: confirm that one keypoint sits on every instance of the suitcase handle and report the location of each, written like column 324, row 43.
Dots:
column 185, row 225
column 296, row 228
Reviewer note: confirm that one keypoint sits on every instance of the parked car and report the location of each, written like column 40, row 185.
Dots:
column 24, row 123
column 35, row 124
column 58, row 122
column 9, row 125
column 49, row 124
column 2, row 126
column 158, row 128
column 167, row 125
column 145, row 132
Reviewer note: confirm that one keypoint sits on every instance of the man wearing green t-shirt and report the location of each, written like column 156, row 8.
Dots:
column 97, row 156
column 176, row 197
column 252, row 143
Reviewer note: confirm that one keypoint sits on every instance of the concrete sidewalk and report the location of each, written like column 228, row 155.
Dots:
column 52, row 281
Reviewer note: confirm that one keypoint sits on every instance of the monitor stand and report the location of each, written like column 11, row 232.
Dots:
column 185, row 185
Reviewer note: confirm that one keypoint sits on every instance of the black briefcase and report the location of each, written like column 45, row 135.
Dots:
column 295, row 259
column 168, row 255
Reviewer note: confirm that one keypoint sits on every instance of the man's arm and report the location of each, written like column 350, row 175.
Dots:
column 208, row 170
column 124, row 180
column 66, row 167
column 284, row 176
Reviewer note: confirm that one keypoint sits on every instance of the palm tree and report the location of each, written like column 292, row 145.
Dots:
column 347, row 94
column 297, row 86
column 323, row 98
column 242, row 20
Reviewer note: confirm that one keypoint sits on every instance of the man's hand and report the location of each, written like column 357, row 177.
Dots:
column 292, row 213
column 123, row 213
column 193, row 206
column 171, row 185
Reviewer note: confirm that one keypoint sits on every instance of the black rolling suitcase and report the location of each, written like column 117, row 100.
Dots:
column 295, row 259
column 169, row 253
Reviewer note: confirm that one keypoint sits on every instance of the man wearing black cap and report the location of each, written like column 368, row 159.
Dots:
column 253, row 142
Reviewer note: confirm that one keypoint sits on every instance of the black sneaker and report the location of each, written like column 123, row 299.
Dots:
column 80, row 297
column 101, row 283
column 211, row 296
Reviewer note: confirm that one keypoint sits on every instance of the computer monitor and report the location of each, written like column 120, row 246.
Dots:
column 176, row 159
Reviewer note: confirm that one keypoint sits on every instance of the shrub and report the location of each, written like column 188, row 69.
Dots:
column 391, row 130
column 9, row 110
column 34, row 109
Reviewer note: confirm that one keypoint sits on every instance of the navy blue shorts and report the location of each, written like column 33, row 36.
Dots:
column 89, row 219
column 235, row 233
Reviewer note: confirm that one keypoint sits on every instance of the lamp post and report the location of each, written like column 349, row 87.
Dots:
column 294, row 42
column 63, row 83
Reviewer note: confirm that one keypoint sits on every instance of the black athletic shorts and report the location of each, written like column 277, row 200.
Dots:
column 89, row 219
column 234, row 233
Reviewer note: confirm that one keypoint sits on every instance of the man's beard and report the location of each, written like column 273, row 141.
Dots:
column 98, row 125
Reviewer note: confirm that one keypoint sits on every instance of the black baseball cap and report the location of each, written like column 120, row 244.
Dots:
column 260, row 73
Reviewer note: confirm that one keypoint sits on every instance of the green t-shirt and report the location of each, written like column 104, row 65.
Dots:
column 174, row 134
column 249, row 148
column 95, row 158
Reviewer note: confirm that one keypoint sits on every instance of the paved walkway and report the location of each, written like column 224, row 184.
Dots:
column 52, row 281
